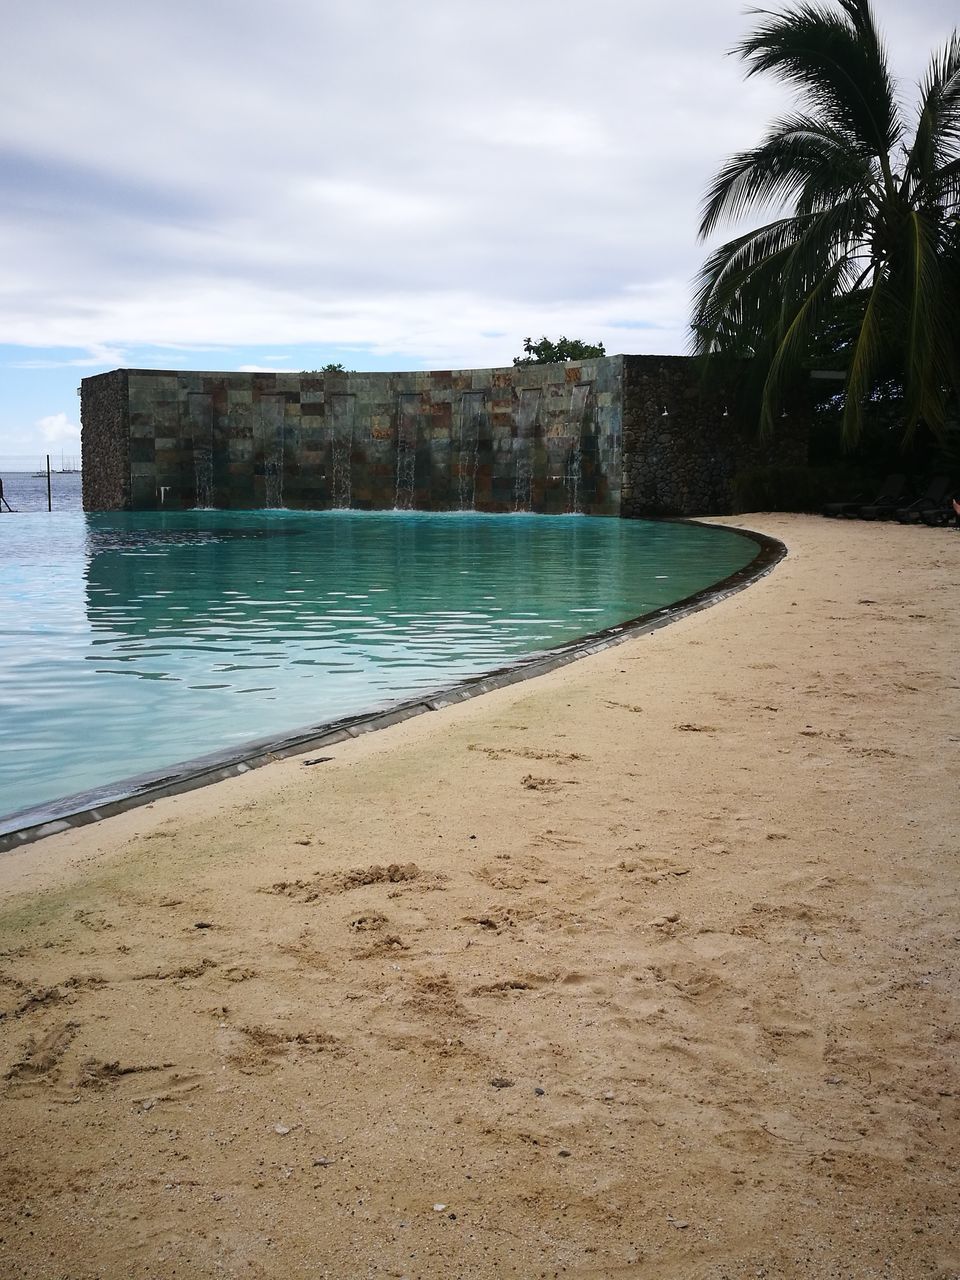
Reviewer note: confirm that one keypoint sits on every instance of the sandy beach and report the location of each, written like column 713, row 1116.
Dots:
column 646, row 968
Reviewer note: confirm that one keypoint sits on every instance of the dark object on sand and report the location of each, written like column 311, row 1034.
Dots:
column 943, row 515
column 886, row 505
column 937, row 491
column 891, row 489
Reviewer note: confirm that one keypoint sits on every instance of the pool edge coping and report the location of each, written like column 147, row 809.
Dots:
column 86, row 807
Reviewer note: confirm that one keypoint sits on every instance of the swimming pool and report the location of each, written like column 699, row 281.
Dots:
column 131, row 642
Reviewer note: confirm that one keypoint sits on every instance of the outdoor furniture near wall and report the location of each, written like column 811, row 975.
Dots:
column 837, row 509
column 932, row 500
column 940, row 517
column 892, row 487
column 886, row 506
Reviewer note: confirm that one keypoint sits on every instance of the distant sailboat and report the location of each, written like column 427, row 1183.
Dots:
column 63, row 470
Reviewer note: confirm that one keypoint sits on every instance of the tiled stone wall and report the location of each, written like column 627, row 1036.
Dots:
column 625, row 435
column 540, row 438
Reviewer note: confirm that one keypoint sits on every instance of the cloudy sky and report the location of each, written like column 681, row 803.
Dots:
column 218, row 184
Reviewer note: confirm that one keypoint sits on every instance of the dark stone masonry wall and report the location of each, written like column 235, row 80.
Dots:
column 683, row 445
column 105, row 442
column 624, row 435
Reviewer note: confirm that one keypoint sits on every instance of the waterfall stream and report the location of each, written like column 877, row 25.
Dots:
column 341, row 450
column 270, row 441
column 200, row 421
column 527, row 410
column 471, row 416
column 408, row 416
column 579, row 421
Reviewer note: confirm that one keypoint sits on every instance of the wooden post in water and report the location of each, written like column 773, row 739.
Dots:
column 49, row 496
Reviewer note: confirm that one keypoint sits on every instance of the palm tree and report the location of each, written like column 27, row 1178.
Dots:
column 865, row 260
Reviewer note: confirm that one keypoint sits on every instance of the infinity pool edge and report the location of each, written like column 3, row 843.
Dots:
column 82, row 808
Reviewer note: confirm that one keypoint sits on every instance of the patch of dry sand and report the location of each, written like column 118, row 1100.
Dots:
column 647, row 968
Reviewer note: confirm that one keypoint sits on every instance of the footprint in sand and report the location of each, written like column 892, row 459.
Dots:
column 436, row 997
column 178, row 972
column 240, row 973
column 261, row 1050
column 831, row 735
column 41, row 1056
column 391, row 944
column 96, row 1074
column 90, row 920
column 511, row 877
column 695, row 983
column 324, row 883
column 368, row 923
column 505, row 987
column 529, row 753
column 557, row 839
column 25, row 998
column 651, row 868
column 33, row 998
column 492, row 921
column 176, row 1087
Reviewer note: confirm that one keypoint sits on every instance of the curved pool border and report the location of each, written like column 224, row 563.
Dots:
column 82, row 808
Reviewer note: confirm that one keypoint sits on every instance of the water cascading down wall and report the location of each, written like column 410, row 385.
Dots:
column 623, row 435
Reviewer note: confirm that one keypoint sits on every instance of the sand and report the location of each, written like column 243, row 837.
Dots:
column 645, row 968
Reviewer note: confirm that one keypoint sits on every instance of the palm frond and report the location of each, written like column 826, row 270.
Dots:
column 749, row 264
column 917, row 351
column 943, row 188
column 800, row 159
column 950, row 261
column 937, row 138
column 794, row 342
column 751, row 286
column 838, row 63
column 863, row 267
column 929, row 327
column 864, row 362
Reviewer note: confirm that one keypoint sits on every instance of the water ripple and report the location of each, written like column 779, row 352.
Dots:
column 130, row 642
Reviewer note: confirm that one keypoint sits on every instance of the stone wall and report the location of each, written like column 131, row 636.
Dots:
column 683, row 444
column 105, row 442
column 624, row 435
column 538, row 438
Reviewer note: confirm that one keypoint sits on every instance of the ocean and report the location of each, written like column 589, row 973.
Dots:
column 27, row 492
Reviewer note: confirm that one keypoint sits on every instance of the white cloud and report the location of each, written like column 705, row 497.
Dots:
column 97, row 355
column 57, row 429
column 410, row 177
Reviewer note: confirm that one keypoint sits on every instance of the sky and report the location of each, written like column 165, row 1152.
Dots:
column 392, row 184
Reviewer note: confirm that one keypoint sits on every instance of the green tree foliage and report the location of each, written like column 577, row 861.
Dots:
column 862, row 270
column 547, row 352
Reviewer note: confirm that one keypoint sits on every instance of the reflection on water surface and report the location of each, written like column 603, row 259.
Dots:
column 133, row 642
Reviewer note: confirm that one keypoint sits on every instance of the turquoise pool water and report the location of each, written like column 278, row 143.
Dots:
column 133, row 642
